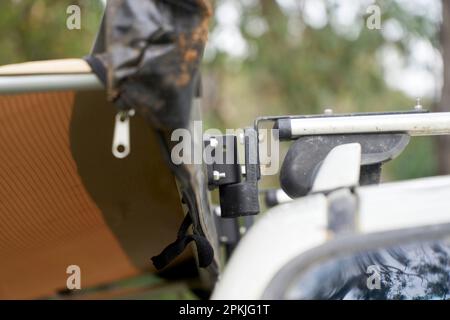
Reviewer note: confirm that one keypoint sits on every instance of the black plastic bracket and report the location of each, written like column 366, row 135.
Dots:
column 222, row 161
column 306, row 154
column 237, row 198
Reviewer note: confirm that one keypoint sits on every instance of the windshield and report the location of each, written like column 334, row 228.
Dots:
column 413, row 271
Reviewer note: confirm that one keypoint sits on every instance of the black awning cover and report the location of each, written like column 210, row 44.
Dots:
column 148, row 52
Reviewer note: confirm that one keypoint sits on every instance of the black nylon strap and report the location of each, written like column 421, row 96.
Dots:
column 204, row 250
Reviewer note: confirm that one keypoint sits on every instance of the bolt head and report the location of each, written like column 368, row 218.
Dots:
column 218, row 175
column 418, row 105
column 213, row 142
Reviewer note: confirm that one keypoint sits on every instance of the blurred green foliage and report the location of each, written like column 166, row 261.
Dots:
column 304, row 70
column 295, row 68
column 36, row 29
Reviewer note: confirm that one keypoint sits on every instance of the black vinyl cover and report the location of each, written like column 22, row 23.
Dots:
column 148, row 54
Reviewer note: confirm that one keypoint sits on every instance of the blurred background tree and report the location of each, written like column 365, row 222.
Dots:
column 297, row 57
column 269, row 57
column 36, row 29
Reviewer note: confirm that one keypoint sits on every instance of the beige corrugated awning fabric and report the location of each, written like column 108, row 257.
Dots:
column 64, row 199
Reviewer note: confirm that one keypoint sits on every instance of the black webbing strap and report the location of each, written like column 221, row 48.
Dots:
column 204, row 250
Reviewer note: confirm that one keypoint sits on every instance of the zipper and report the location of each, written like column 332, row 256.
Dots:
column 121, row 139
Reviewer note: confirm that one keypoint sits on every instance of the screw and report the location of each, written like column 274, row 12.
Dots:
column 418, row 106
column 218, row 175
column 213, row 142
column 328, row 111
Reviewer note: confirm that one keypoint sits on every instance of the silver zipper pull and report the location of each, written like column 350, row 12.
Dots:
column 121, row 139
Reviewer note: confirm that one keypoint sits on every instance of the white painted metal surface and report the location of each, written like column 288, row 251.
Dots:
column 340, row 168
column 280, row 235
column 404, row 204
